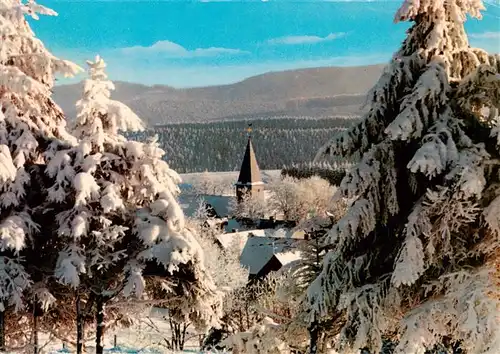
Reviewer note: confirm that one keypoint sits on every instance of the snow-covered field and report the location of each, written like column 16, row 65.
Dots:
column 148, row 336
column 225, row 177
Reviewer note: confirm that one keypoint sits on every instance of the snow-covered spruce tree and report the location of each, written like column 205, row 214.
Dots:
column 303, row 272
column 123, row 220
column 222, row 264
column 414, row 257
column 29, row 121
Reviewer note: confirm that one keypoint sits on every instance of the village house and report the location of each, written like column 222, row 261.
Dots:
column 265, row 244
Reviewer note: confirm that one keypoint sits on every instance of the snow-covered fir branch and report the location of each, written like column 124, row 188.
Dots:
column 425, row 190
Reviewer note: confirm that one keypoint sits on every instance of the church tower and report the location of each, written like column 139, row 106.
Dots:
column 249, row 180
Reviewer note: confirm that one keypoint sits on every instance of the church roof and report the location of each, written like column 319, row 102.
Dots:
column 249, row 172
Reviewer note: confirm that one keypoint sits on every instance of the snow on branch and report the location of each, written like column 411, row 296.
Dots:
column 410, row 262
column 261, row 338
column 372, row 181
column 362, row 176
column 468, row 309
column 43, row 296
column 16, row 81
column 167, row 246
column 491, row 216
column 415, row 114
column 32, row 9
column 98, row 117
column 14, row 230
column 430, row 234
column 446, row 146
column 359, row 220
column 86, row 188
column 13, row 281
column 410, row 9
column 397, row 76
column 8, row 171
column 70, row 264
column 22, row 43
column 135, row 283
column 434, row 155
column 469, row 170
column 367, row 309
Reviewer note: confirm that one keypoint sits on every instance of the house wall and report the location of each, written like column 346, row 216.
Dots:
column 272, row 265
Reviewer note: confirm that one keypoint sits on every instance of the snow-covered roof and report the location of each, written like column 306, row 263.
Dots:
column 259, row 250
column 288, row 257
column 270, row 233
column 226, row 238
column 235, row 238
column 213, row 222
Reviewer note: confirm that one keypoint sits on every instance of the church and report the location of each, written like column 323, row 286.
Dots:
column 249, row 182
column 271, row 244
column 265, row 245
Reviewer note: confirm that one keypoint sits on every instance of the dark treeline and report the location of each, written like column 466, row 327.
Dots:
column 333, row 173
column 219, row 146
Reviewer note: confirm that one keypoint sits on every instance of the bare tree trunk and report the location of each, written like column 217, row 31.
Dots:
column 240, row 318
column 35, row 329
column 80, row 325
column 99, row 318
column 247, row 316
column 178, row 334
column 313, row 335
column 183, row 337
column 2, row 331
column 172, row 334
column 175, row 335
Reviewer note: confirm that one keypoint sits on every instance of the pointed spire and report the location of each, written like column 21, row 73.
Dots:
column 249, row 172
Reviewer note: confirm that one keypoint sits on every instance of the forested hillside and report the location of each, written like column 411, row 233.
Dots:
column 219, row 146
column 318, row 92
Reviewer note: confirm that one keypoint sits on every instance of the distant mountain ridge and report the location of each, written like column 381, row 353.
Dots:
column 307, row 93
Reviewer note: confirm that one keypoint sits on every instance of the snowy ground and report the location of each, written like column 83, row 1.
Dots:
column 146, row 337
column 226, row 177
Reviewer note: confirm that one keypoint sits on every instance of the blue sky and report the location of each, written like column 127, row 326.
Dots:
column 198, row 43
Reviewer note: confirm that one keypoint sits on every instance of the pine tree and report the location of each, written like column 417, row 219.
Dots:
column 413, row 260
column 301, row 273
column 29, row 122
column 122, row 212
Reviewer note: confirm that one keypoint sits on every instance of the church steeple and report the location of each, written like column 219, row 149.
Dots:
column 249, row 180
